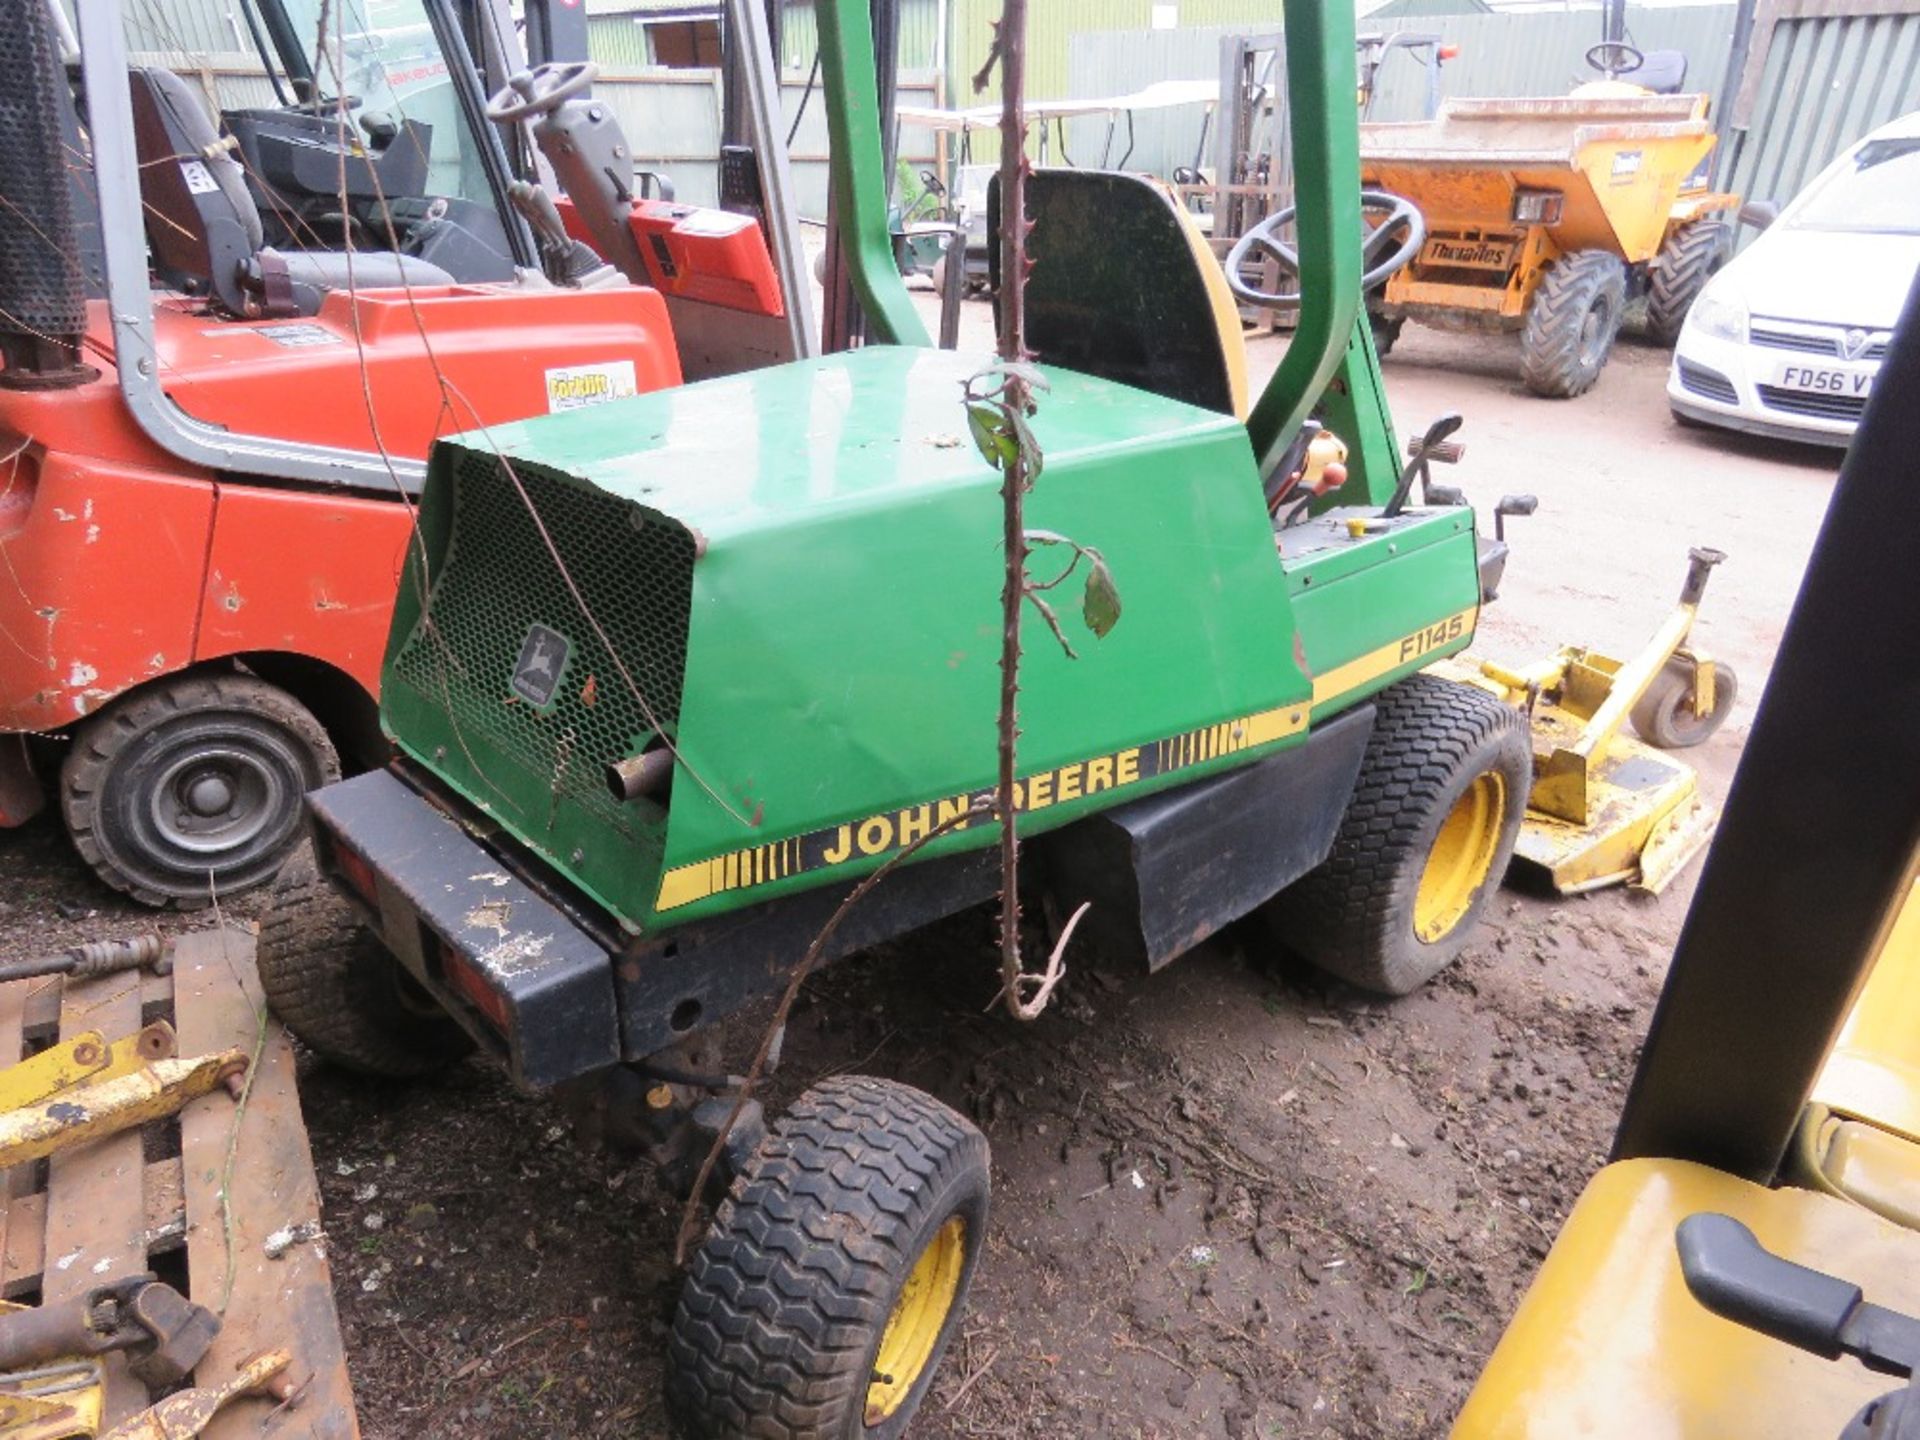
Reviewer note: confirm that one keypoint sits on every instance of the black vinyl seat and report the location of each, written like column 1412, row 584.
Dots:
column 1124, row 286
column 204, row 227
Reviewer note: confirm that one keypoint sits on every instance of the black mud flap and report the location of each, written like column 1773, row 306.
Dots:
column 1166, row 872
column 532, row 986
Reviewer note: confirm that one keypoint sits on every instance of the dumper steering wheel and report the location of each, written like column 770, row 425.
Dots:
column 1379, row 253
column 1614, row 57
column 540, row 90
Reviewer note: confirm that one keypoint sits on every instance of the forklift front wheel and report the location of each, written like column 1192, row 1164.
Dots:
column 834, row 1272
column 334, row 985
column 191, row 787
column 1425, row 840
column 1665, row 715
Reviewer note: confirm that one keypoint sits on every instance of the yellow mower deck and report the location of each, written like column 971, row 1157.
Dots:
column 1647, row 816
column 100, row 1209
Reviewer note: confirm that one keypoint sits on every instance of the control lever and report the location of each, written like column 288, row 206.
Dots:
column 1512, row 505
column 1424, row 451
column 1735, row 1277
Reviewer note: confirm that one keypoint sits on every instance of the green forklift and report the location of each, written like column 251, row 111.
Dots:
column 671, row 676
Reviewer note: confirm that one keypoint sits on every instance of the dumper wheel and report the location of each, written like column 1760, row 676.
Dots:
column 192, row 786
column 1572, row 323
column 1688, row 260
column 834, row 1272
column 1425, row 840
column 1665, row 717
column 333, row 984
column 1386, row 331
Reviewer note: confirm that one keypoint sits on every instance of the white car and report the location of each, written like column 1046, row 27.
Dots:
column 1786, row 340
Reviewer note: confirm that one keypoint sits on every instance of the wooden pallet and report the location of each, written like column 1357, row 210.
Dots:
column 105, row 1210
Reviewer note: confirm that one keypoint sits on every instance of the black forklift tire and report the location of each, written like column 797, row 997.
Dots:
column 1572, row 323
column 1688, row 260
column 1425, row 841
column 1664, row 715
column 192, row 786
column 835, row 1271
column 333, row 984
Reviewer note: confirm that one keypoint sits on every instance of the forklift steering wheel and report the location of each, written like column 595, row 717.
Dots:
column 1377, row 251
column 1614, row 57
column 538, row 91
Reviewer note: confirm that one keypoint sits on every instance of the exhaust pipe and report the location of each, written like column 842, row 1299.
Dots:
column 43, row 307
column 644, row 776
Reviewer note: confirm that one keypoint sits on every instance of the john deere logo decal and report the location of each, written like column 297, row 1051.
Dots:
column 543, row 658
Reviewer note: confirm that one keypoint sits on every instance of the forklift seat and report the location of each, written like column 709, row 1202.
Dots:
column 1124, row 286
column 204, row 228
column 1608, row 1340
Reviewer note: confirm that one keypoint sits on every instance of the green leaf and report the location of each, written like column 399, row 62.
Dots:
column 1101, row 607
column 990, row 436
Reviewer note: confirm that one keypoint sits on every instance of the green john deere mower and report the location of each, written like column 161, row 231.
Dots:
column 669, row 676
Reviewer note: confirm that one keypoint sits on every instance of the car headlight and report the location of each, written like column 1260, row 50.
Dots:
column 1721, row 315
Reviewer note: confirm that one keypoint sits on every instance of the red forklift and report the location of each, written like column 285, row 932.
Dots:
column 228, row 338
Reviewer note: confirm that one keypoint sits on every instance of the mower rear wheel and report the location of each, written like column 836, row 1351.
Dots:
column 1688, row 260
column 192, row 786
column 834, row 1272
column 1572, row 323
column 1664, row 715
column 333, row 984
column 1425, row 840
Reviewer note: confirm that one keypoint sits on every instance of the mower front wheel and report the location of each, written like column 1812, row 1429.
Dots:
column 1572, row 323
column 835, row 1271
column 333, row 984
column 1425, row 840
column 1665, row 715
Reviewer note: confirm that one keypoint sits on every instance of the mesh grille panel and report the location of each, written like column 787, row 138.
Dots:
column 498, row 578
column 41, row 291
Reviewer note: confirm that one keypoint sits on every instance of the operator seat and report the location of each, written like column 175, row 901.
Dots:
column 1124, row 286
column 204, row 228
column 1661, row 72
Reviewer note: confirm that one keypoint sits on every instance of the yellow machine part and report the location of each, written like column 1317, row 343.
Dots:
column 87, row 1058
column 1645, row 815
column 1608, row 1341
column 52, row 1402
column 1873, row 1073
column 107, row 1107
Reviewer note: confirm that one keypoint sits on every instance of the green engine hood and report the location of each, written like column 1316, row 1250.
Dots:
column 799, row 569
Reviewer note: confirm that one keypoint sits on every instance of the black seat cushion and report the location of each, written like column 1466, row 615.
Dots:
column 1116, row 288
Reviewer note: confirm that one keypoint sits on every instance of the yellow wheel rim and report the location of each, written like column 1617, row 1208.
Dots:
column 917, row 1320
column 1462, row 856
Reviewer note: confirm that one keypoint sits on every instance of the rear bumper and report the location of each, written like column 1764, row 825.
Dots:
column 530, row 984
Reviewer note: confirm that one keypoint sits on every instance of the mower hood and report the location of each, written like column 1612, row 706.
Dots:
column 790, row 580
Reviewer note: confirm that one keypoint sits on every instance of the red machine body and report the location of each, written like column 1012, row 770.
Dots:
column 126, row 564
column 693, row 253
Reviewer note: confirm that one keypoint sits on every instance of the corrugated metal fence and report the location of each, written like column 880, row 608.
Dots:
column 1524, row 54
column 1824, row 81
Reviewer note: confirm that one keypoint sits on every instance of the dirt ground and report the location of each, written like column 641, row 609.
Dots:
column 1232, row 1199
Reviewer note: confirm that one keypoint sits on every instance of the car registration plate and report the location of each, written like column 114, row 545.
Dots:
column 1824, row 380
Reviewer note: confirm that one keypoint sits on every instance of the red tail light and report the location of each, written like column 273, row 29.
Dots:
column 470, row 985
column 358, row 874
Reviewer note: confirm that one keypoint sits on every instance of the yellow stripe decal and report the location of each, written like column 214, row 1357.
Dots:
column 880, row 835
column 1357, row 674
